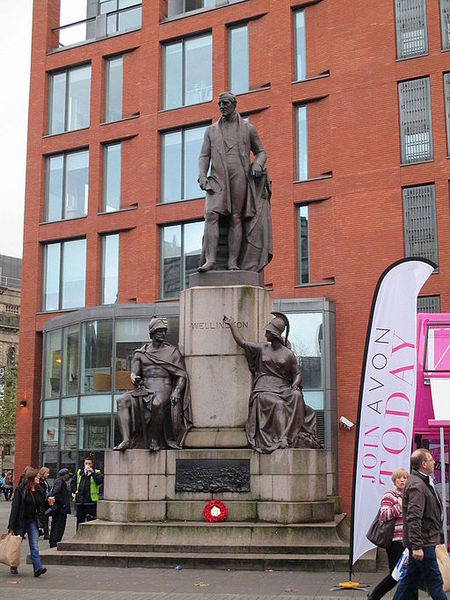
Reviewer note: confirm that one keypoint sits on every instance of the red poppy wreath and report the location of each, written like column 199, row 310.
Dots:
column 215, row 511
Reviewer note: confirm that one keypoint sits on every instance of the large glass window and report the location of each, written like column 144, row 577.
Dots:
column 445, row 23
column 114, row 89
column 69, row 103
column 303, row 244
column 415, row 120
column 69, row 433
column 300, row 45
column 64, row 275
column 179, row 164
column 110, row 269
column 411, row 28
column 238, row 59
column 130, row 334
column 187, row 70
column 447, row 108
column 71, row 338
column 419, row 221
column 179, row 7
column 302, row 143
column 52, row 378
column 95, row 432
column 121, row 15
column 67, row 186
column 181, row 248
column 96, row 357
column 112, row 177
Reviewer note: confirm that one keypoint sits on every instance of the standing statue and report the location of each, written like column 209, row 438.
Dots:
column 157, row 412
column 278, row 416
column 237, row 189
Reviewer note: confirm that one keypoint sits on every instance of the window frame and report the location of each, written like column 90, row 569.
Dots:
column 300, row 257
column 399, row 23
column 108, row 61
column 295, row 13
column 104, row 239
column 105, row 150
column 298, row 167
column 63, row 207
column 66, row 71
column 231, row 29
column 404, row 125
column 407, row 228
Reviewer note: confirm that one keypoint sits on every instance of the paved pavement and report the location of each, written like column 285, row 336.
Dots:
column 110, row 583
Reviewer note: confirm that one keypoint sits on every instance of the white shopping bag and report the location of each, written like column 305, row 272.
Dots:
column 400, row 568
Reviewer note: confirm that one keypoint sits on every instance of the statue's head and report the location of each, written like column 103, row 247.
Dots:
column 227, row 103
column 275, row 328
column 157, row 328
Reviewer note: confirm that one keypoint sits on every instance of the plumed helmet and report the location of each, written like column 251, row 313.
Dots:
column 156, row 323
column 277, row 326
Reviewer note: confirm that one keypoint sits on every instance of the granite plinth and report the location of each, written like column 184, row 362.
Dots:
column 224, row 278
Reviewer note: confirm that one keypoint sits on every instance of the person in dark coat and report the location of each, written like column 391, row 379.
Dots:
column 44, row 474
column 85, row 485
column 26, row 516
column 60, row 506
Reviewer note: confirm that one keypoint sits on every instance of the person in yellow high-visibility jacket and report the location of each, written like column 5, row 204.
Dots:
column 85, row 488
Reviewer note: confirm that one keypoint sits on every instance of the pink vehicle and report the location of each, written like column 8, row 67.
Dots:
column 432, row 412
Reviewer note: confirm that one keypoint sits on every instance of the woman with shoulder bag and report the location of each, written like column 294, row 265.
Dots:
column 26, row 515
column 391, row 509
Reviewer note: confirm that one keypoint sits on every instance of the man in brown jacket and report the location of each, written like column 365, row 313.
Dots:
column 422, row 529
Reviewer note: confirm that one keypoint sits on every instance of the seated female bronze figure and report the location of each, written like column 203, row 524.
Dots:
column 278, row 416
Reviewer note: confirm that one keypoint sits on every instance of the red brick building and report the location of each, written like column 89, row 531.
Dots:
column 352, row 102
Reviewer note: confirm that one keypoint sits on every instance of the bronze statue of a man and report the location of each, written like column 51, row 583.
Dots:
column 157, row 412
column 237, row 189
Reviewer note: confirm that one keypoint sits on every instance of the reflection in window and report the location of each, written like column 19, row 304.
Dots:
column 71, row 336
column 302, row 144
column 179, row 164
column 64, row 275
column 121, row 15
column 67, row 186
column 181, row 247
column 50, row 433
column 303, row 244
column 96, row 356
column 300, row 45
column 238, row 59
column 187, row 72
column 114, row 89
column 52, row 381
column 110, row 269
column 95, row 432
column 112, row 171
column 69, row 102
column 306, row 338
column 68, row 433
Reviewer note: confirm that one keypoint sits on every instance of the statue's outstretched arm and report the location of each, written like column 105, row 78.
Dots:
column 240, row 341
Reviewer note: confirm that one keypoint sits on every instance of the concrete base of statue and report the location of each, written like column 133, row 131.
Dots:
column 219, row 376
column 284, row 521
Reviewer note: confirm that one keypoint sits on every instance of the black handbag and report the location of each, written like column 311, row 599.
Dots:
column 381, row 532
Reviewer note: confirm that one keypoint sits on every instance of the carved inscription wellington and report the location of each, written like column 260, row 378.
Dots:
column 208, row 325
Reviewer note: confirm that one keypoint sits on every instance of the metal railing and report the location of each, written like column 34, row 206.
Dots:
column 101, row 26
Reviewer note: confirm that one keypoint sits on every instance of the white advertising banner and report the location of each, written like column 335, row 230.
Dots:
column 387, row 393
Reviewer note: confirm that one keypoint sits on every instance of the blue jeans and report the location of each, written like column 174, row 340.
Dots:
column 31, row 529
column 428, row 567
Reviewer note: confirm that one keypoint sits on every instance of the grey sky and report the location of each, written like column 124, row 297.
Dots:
column 15, row 48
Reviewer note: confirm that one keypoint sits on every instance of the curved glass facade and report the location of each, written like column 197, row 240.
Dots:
column 86, row 367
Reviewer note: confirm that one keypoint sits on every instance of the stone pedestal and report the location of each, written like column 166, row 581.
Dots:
column 219, row 376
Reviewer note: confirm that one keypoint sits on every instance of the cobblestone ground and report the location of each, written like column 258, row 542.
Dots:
column 110, row 583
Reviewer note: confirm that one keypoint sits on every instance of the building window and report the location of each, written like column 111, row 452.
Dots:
column 181, row 248
column 121, row 15
column 303, row 244
column 69, row 101
column 447, row 108
column 415, row 120
column 67, row 186
column 179, row 164
column 445, row 23
column 96, row 357
column 187, row 69
column 114, row 89
column 302, row 143
column 64, row 275
column 179, row 7
column 300, row 45
column 110, row 269
column 112, row 170
column 411, row 28
column 429, row 304
column 419, row 221
column 238, row 59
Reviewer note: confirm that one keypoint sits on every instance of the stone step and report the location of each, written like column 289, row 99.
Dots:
column 199, row 560
column 79, row 546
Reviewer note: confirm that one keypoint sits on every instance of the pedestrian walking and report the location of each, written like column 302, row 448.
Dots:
column 44, row 473
column 391, row 510
column 8, row 486
column 422, row 529
column 26, row 516
column 59, row 500
column 85, row 485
